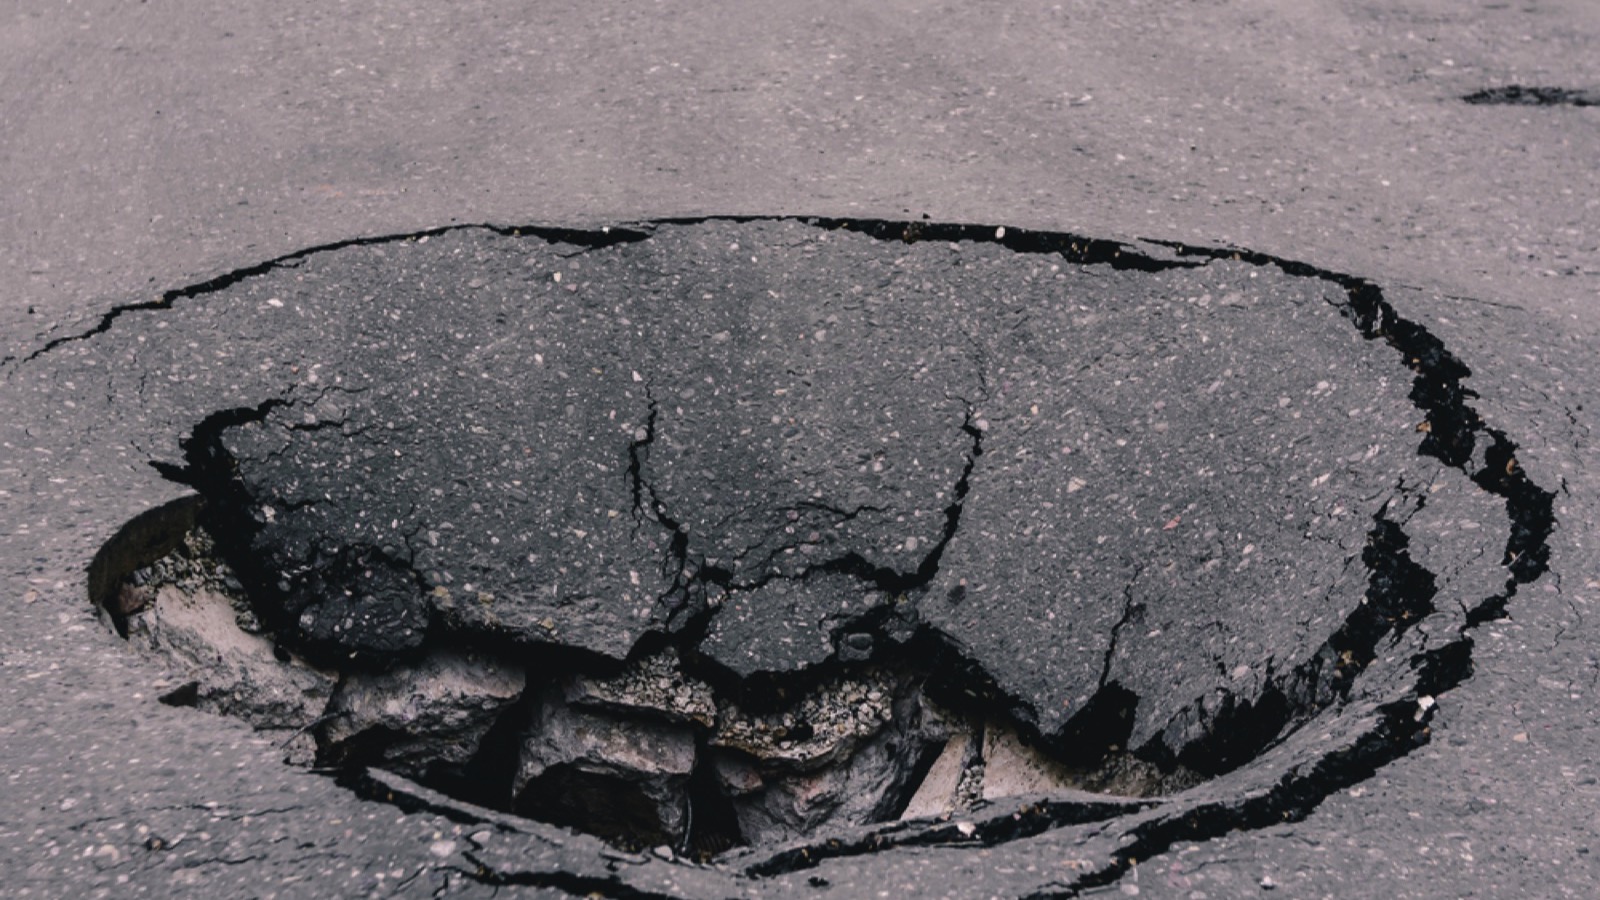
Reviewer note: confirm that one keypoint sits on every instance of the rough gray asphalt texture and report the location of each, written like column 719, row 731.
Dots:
column 1331, row 135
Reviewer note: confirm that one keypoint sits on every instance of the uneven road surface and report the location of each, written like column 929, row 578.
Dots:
column 757, row 450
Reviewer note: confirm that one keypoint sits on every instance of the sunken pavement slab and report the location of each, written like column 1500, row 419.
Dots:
column 774, row 542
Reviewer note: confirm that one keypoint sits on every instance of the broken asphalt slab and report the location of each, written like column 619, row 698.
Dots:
column 149, row 149
column 1214, row 516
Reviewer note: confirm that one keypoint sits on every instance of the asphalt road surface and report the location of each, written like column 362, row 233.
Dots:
column 1204, row 392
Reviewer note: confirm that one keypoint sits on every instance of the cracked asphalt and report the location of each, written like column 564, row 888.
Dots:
column 168, row 177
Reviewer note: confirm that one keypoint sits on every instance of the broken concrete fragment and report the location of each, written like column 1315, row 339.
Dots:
column 232, row 671
column 415, row 716
column 939, row 793
column 622, row 778
column 787, row 806
column 775, row 803
column 188, row 608
column 843, row 754
column 1013, row 769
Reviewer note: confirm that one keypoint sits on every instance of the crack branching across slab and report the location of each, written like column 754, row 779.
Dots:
column 693, row 579
column 1129, row 605
column 1452, row 430
column 211, row 470
column 895, row 581
column 648, row 506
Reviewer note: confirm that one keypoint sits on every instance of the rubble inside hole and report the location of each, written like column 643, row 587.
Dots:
column 418, row 716
column 188, row 609
column 644, row 757
column 625, row 779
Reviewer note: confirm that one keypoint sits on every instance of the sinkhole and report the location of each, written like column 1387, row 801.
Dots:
column 707, row 534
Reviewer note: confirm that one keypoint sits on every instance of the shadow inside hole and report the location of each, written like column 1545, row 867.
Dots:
column 698, row 769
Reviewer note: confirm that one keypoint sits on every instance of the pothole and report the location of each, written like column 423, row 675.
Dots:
column 711, row 534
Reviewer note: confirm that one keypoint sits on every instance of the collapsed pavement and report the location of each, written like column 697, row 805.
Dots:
column 506, row 509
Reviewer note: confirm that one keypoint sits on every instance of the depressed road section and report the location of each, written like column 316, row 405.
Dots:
column 755, row 547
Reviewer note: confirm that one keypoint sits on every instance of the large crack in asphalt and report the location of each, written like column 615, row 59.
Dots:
column 896, row 693
column 586, row 239
column 1526, row 95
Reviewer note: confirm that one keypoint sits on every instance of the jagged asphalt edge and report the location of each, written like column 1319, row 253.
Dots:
column 1456, row 430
